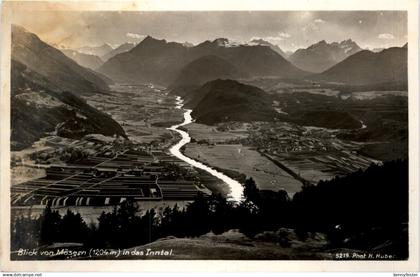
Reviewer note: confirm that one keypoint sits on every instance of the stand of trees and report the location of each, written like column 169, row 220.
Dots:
column 366, row 210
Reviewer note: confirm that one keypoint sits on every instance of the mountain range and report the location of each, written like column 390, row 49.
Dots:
column 85, row 60
column 96, row 50
column 366, row 67
column 47, row 84
column 274, row 47
column 120, row 49
column 45, row 90
column 89, row 56
column 61, row 72
column 161, row 62
column 322, row 55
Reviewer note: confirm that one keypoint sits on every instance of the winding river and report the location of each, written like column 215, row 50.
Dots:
column 236, row 188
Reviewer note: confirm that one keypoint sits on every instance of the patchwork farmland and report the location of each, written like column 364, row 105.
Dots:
column 101, row 180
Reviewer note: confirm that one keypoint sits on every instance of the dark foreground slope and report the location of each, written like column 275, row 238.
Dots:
column 228, row 100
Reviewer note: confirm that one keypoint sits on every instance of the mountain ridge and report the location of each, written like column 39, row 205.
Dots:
column 127, row 46
column 367, row 67
column 62, row 72
column 322, row 55
column 85, row 60
column 276, row 48
column 159, row 61
column 204, row 69
column 99, row 50
column 45, row 85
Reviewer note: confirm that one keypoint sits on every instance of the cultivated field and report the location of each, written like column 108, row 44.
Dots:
column 245, row 160
column 211, row 134
column 317, row 166
column 143, row 111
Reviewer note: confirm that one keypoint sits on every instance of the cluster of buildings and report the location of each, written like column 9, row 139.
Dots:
column 285, row 139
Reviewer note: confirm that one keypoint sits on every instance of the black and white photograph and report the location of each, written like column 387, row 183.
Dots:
column 209, row 135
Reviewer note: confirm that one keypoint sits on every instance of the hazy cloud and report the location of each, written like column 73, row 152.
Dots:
column 386, row 36
column 314, row 25
column 280, row 37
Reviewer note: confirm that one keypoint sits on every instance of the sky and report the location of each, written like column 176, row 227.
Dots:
column 289, row 30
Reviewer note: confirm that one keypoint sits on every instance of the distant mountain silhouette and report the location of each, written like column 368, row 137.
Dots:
column 228, row 100
column 158, row 61
column 44, row 84
column 322, row 55
column 96, row 50
column 269, row 44
column 120, row 49
column 366, row 67
column 62, row 72
column 85, row 60
column 151, row 61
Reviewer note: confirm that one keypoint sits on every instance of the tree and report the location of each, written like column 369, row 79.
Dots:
column 25, row 232
column 221, row 214
column 251, row 192
column 197, row 217
column 73, row 228
column 50, row 226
